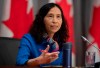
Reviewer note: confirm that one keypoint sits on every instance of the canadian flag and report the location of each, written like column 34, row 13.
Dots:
column 67, row 7
column 94, row 31
column 17, row 18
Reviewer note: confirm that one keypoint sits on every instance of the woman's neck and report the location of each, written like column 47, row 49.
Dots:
column 51, row 35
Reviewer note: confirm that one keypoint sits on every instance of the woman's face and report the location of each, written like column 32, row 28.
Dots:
column 53, row 20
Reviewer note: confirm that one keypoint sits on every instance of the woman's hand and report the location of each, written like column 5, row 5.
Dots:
column 47, row 57
column 44, row 58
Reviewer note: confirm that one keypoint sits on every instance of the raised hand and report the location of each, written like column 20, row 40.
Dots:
column 47, row 57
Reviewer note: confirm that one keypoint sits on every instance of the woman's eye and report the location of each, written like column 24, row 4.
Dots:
column 50, row 16
column 58, row 16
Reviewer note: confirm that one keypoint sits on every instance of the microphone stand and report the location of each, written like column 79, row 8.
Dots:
column 89, row 42
column 97, row 65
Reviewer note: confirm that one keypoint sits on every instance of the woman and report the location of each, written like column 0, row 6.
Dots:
column 43, row 44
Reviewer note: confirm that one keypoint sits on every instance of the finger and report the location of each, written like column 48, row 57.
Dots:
column 54, row 54
column 47, row 49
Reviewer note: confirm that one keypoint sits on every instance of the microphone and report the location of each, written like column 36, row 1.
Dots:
column 67, row 54
column 89, row 42
column 97, row 65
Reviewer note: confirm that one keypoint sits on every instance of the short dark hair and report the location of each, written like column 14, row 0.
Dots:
column 38, row 28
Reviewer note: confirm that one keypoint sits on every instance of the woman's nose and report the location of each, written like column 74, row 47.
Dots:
column 54, row 20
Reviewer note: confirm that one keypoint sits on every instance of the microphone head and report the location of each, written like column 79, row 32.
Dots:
column 67, row 45
column 86, row 40
column 83, row 38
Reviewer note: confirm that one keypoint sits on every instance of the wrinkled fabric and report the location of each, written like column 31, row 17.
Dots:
column 29, row 49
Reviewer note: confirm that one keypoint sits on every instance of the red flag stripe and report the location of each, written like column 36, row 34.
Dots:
column 21, row 17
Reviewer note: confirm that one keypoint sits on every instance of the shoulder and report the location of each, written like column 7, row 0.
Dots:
column 28, row 35
column 27, row 38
